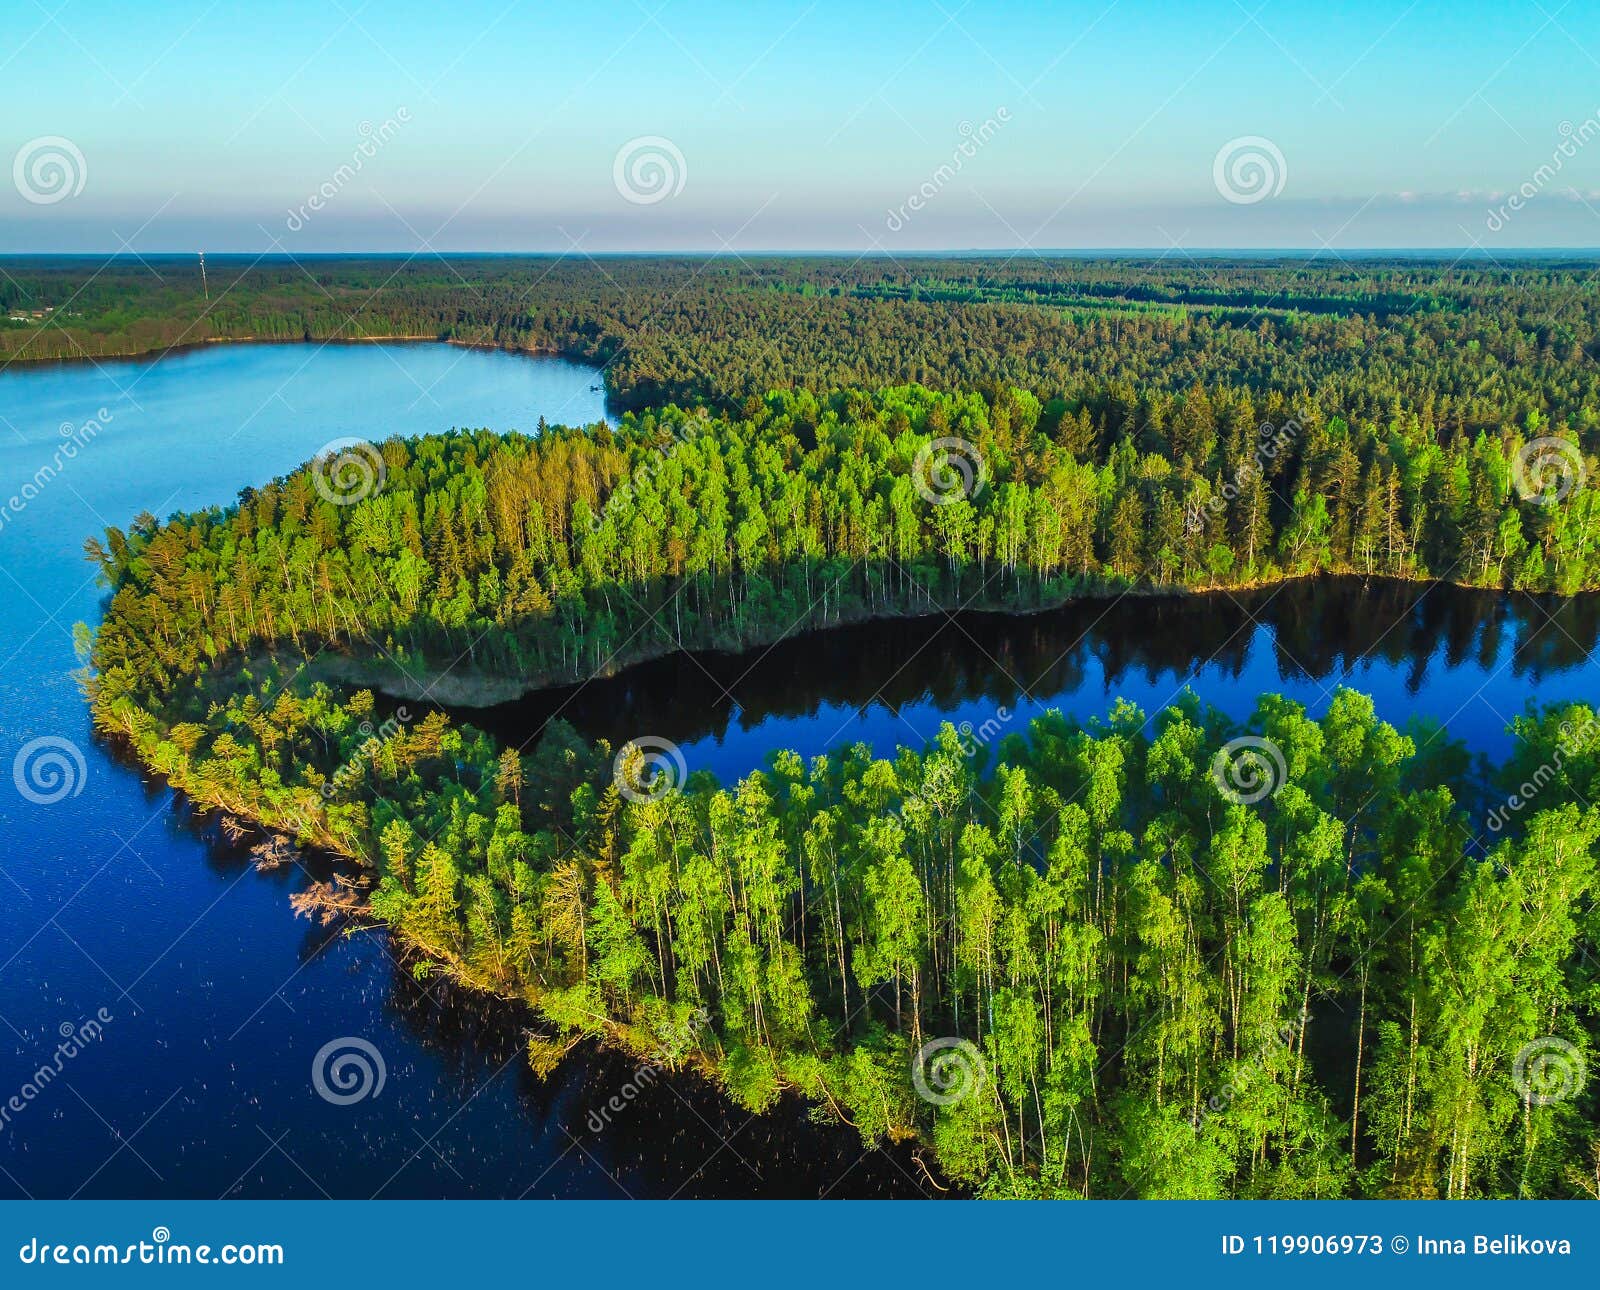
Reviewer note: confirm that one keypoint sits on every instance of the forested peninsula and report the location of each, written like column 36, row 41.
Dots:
column 1152, row 955
column 553, row 556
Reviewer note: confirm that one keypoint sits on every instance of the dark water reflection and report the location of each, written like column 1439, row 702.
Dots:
column 1471, row 660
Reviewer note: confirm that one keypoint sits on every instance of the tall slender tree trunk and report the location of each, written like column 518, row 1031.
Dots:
column 1361, row 1035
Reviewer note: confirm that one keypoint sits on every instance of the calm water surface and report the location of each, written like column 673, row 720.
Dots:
column 1470, row 660
column 119, row 899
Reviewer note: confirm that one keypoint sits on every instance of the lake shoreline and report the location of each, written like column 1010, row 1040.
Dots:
column 155, row 353
column 427, row 958
column 424, row 960
column 458, row 686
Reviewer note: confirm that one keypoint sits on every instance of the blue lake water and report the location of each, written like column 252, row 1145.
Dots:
column 211, row 1002
column 1471, row 661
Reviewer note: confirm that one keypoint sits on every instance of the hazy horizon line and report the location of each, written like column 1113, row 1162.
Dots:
column 1010, row 253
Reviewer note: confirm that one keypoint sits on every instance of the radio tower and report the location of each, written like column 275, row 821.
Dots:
column 203, row 284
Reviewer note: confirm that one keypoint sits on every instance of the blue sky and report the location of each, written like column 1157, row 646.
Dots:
column 929, row 124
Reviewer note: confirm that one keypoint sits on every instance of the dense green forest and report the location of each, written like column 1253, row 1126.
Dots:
column 1137, row 958
column 1153, row 956
column 1459, row 347
column 549, row 558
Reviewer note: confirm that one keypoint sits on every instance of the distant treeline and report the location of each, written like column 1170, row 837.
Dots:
column 1461, row 347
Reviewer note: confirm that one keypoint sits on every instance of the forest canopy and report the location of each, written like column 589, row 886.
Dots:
column 551, row 556
column 1154, row 954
